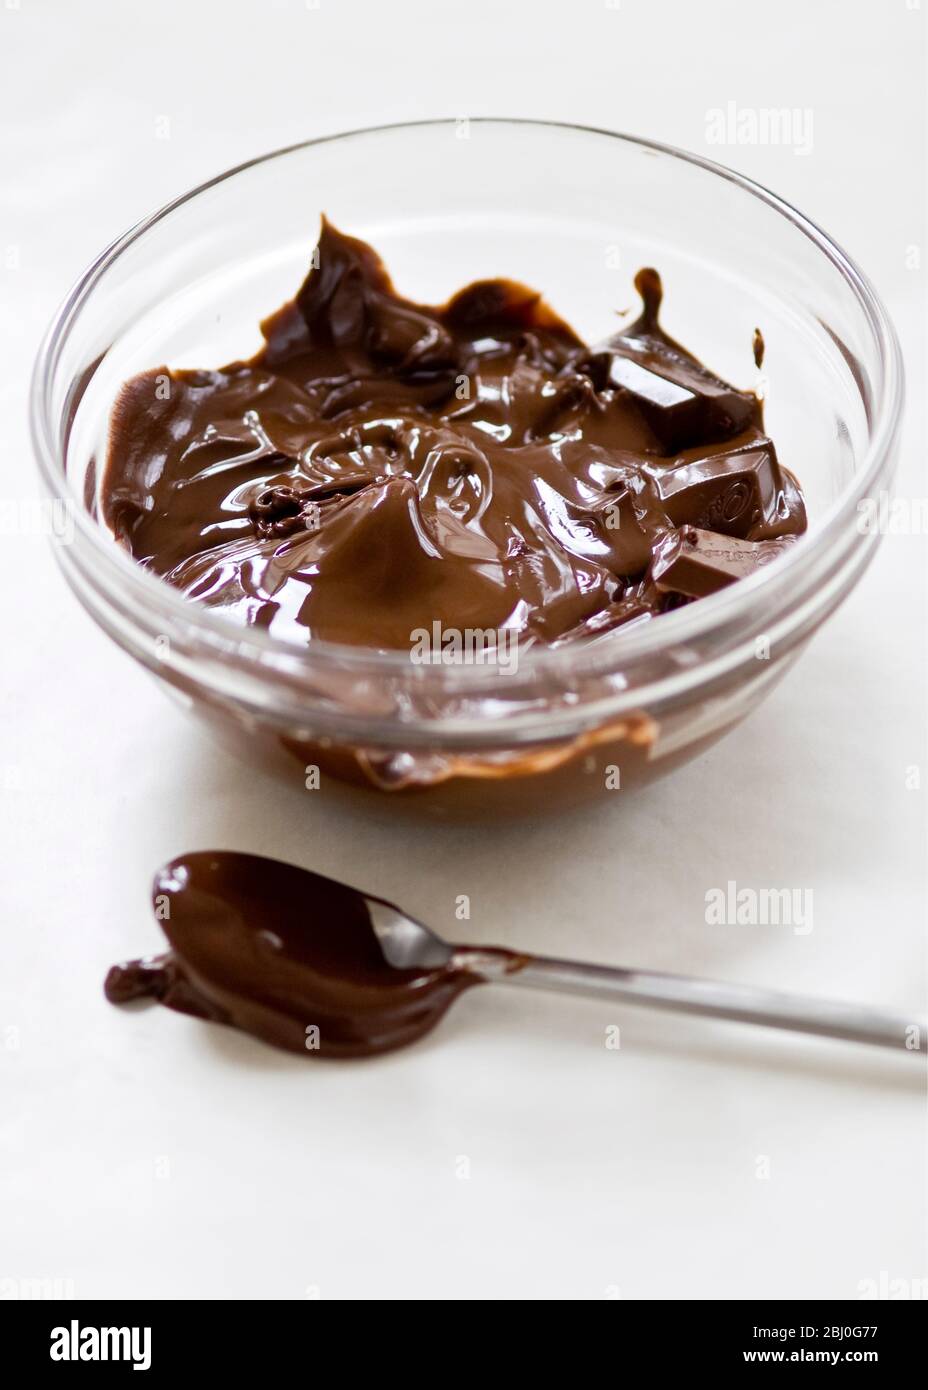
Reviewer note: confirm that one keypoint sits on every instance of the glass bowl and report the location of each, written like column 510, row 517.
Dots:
column 574, row 212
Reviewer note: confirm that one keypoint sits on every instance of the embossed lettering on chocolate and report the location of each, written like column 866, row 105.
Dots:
column 381, row 466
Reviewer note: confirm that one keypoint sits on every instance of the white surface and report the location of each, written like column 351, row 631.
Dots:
column 151, row 1155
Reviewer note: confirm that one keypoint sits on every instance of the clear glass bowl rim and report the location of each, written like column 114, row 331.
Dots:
column 120, row 574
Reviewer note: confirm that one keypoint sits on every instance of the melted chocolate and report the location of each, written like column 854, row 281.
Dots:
column 287, row 955
column 759, row 348
column 382, row 465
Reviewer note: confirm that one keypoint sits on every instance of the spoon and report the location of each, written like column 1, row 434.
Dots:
column 314, row 966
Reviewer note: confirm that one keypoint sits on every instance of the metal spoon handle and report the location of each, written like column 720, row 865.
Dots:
column 715, row 999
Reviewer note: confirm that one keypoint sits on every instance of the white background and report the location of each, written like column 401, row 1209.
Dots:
column 148, row 1154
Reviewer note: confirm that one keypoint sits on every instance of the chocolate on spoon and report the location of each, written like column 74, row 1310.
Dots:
column 316, row 967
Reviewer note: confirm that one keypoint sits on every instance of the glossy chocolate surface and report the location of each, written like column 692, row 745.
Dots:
column 285, row 954
column 381, row 466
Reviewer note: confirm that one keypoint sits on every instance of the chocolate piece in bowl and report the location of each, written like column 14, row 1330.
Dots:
column 739, row 491
column 696, row 563
column 682, row 402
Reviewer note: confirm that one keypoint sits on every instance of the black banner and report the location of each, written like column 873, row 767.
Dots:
column 165, row 1338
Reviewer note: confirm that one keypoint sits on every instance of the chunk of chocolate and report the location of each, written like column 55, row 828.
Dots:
column 733, row 491
column 682, row 402
column 696, row 563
